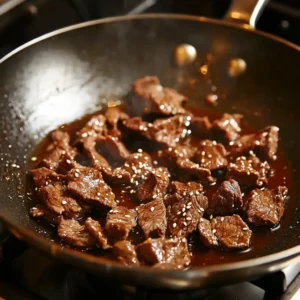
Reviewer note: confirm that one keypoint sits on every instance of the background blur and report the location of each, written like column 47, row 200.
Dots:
column 23, row 20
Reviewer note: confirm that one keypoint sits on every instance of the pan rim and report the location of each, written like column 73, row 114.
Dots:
column 245, row 27
column 267, row 262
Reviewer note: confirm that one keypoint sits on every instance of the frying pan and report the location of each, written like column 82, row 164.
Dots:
column 61, row 76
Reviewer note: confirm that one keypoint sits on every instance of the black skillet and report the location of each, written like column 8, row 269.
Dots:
column 63, row 75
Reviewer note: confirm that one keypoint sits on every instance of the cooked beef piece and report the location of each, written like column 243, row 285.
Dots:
column 96, row 230
column 138, row 165
column 113, row 148
column 87, row 184
column 226, row 200
column 66, row 163
column 211, row 155
column 43, row 176
column 200, row 127
column 115, row 114
column 125, row 252
column 179, row 190
column 171, row 131
column 190, row 168
column 42, row 212
column 116, row 176
column 264, row 143
column 265, row 207
column 74, row 234
column 206, row 234
column 97, row 160
column 119, row 221
column 228, row 127
column 158, row 99
column 154, row 185
column 178, row 159
column 55, row 198
column 95, row 128
column 184, row 215
column 167, row 251
column 56, row 149
column 137, row 126
column 250, row 172
column 232, row 232
column 152, row 218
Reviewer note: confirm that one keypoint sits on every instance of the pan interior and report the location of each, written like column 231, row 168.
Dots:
column 66, row 76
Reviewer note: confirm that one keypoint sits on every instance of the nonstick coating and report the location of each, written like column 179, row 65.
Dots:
column 65, row 75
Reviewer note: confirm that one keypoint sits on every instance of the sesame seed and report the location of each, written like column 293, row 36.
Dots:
column 188, row 218
column 132, row 191
column 76, row 175
column 214, row 231
column 64, row 202
column 184, row 214
column 127, row 216
column 222, row 219
column 245, row 228
column 68, row 161
column 184, row 223
column 34, row 158
column 98, row 194
column 174, row 225
column 152, row 208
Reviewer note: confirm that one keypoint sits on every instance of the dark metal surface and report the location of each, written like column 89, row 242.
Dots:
column 67, row 75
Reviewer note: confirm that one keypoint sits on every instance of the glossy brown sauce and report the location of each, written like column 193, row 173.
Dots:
column 261, row 238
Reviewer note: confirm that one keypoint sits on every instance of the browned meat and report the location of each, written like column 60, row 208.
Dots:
column 200, row 127
column 87, row 184
column 116, row 176
column 95, row 128
column 115, row 114
column 74, row 234
column 113, row 148
column 167, row 266
column 138, row 165
column 41, row 212
column 191, row 168
column 158, row 99
column 171, row 131
column 154, row 185
column 266, row 207
column 232, row 232
column 227, row 199
column 56, row 149
column 183, row 216
column 228, row 126
column 97, row 160
column 137, row 126
column 206, row 234
column 119, row 221
column 251, row 172
column 56, row 199
column 96, row 230
column 264, row 143
column 211, row 155
column 43, row 176
column 170, row 251
column 179, row 190
column 152, row 218
column 125, row 252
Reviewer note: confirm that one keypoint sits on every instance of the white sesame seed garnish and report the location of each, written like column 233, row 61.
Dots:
column 98, row 194
column 222, row 219
column 174, row 225
column 76, row 175
column 245, row 228
column 33, row 158
column 152, row 208
column 214, row 231
column 132, row 191
column 188, row 218
column 68, row 161
column 185, row 223
column 64, row 202
column 127, row 216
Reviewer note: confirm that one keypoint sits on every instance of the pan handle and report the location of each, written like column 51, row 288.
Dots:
column 245, row 12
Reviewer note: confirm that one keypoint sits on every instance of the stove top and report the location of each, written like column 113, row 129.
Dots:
column 28, row 274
